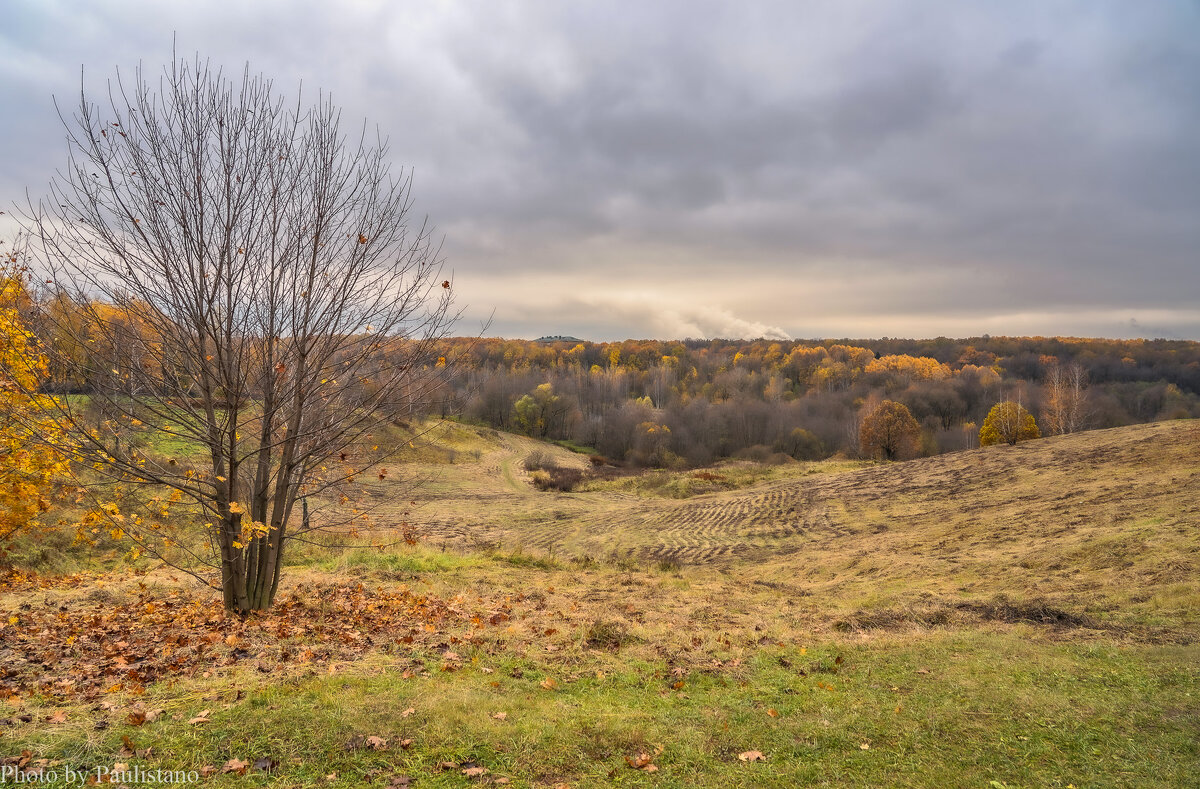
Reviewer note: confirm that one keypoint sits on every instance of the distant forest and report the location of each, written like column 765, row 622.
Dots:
column 693, row 402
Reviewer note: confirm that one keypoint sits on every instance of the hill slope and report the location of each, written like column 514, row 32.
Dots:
column 1104, row 518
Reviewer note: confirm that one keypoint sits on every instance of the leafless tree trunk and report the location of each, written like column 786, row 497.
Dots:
column 253, row 283
column 1066, row 409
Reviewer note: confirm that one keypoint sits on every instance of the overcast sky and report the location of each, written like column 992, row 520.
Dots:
column 736, row 169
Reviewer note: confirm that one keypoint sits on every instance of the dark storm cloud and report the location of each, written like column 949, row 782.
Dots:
column 837, row 168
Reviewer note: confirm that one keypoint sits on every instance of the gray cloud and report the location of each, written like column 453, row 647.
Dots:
column 898, row 168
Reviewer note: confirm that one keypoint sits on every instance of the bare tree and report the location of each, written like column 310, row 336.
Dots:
column 254, row 284
column 1066, row 409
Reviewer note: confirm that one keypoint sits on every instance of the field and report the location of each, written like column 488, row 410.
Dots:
column 1003, row 617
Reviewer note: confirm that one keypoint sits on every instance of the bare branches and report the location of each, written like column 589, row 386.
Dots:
column 1066, row 409
column 231, row 271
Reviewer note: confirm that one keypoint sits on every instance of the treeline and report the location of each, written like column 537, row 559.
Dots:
column 693, row 402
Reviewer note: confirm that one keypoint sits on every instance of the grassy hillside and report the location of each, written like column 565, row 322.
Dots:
column 1104, row 520
column 1011, row 616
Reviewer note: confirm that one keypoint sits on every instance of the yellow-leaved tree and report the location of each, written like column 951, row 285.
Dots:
column 890, row 431
column 1008, row 423
column 27, row 469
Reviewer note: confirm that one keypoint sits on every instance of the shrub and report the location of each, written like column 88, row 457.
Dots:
column 759, row 453
column 803, row 445
column 557, row 478
column 537, row 459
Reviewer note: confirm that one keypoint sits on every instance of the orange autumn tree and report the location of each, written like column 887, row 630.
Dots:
column 920, row 368
column 26, row 468
column 890, row 431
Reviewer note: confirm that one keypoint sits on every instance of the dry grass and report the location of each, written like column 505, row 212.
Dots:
column 1101, row 522
column 1023, row 615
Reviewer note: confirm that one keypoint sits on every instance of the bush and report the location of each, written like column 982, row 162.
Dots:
column 803, row 445
column 557, row 478
column 759, row 453
column 537, row 459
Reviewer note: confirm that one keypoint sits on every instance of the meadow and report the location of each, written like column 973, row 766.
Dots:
column 1000, row 617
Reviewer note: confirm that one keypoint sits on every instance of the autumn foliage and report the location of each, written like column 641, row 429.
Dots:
column 90, row 649
column 890, row 431
column 1008, row 423
column 26, row 468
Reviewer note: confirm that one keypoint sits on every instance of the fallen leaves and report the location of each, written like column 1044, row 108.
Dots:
column 200, row 718
column 549, row 683
column 128, row 748
column 752, row 756
column 139, row 716
column 236, row 766
column 471, row 770
column 87, row 647
column 360, row 742
column 645, row 761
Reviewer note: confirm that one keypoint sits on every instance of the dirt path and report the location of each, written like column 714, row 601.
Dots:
column 510, row 479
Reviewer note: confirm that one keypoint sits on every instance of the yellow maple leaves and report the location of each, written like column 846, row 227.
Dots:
column 27, row 469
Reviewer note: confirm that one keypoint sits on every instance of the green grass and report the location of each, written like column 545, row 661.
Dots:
column 178, row 447
column 576, row 447
column 397, row 561
column 947, row 709
column 358, row 561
